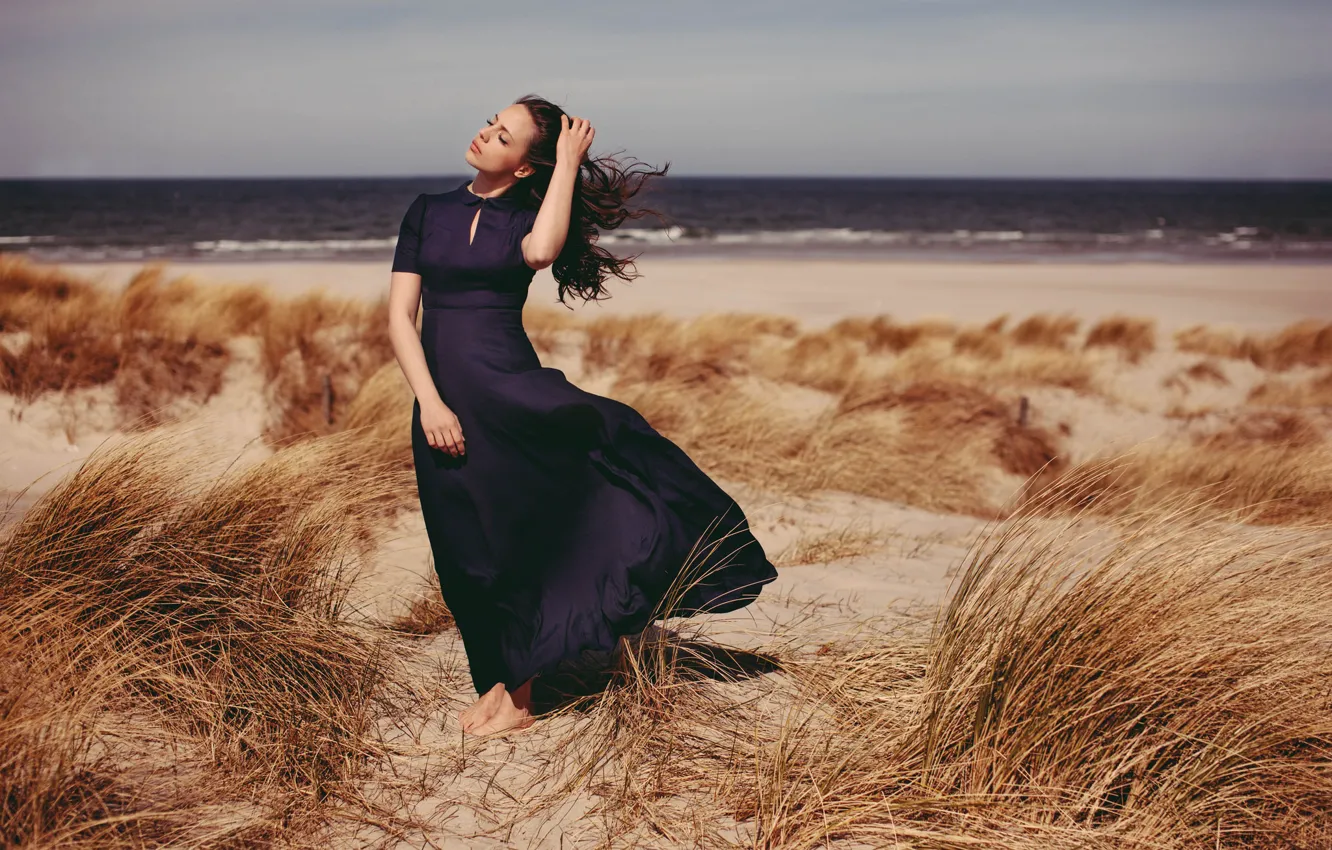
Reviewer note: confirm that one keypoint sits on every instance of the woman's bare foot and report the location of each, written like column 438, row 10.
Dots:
column 514, row 712
column 481, row 710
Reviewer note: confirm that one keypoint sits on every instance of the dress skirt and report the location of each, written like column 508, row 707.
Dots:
column 568, row 521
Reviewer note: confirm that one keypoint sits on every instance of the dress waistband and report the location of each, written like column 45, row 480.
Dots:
column 474, row 299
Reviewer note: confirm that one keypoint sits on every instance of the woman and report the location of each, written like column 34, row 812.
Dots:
column 559, row 520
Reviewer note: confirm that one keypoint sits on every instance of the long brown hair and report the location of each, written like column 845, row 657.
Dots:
column 601, row 197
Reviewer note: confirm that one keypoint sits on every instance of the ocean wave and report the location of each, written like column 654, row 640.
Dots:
column 822, row 236
column 232, row 246
column 1150, row 244
column 1155, row 239
column 354, row 219
column 1239, row 239
column 25, row 240
column 693, row 236
column 834, row 236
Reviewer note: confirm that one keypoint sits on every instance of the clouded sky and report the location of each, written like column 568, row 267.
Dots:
column 1150, row 88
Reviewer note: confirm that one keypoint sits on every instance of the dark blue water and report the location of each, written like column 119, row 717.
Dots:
column 357, row 219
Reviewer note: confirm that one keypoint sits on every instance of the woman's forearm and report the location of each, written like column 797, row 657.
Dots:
column 411, row 358
column 551, row 227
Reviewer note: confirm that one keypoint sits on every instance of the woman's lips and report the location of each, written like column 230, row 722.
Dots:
column 475, row 149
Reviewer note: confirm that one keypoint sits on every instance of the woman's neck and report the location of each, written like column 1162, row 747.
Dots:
column 486, row 186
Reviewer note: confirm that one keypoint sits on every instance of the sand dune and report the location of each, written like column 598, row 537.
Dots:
column 1052, row 548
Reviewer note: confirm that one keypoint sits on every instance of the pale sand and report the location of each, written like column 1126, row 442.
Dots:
column 1251, row 295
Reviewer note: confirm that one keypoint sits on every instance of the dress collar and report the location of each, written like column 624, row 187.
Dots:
column 471, row 199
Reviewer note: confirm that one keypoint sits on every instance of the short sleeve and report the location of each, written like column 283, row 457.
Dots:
column 409, row 237
column 526, row 218
column 520, row 224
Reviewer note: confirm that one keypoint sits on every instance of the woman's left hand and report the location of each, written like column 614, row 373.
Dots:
column 575, row 138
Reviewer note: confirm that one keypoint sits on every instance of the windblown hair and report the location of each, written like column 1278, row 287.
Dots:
column 601, row 197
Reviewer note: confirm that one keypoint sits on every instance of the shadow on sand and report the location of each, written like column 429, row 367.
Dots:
column 576, row 684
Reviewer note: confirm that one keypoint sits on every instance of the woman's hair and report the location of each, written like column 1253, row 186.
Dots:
column 602, row 192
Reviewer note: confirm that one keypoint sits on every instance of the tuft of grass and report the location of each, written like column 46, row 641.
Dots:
column 380, row 417
column 953, row 413
column 181, row 307
column 1238, row 477
column 1132, row 337
column 155, row 375
column 881, row 334
column 1204, row 371
column 1165, row 680
column 1272, row 428
column 29, row 291
column 71, row 345
column 871, row 451
column 1306, row 343
column 982, row 343
column 160, row 343
column 1017, row 368
column 1162, row 684
column 214, row 606
column 1208, row 371
column 823, row 360
column 314, row 347
column 929, row 439
column 56, row 787
column 427, row 615
column 545, row 325
column 1314, row 392
column 164, row 345
column 822, row 547
column 1045, row 331
column 1213, row 342
column 662, row 347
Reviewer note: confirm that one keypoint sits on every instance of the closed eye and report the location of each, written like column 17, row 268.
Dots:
column 491, row 122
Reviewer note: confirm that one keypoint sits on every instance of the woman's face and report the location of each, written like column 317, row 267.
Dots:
column 500, row 147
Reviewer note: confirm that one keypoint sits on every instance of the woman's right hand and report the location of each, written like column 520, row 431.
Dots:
column 575, row 138
column 441, row 427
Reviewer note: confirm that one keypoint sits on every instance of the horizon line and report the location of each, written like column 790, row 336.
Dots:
column 1093, row 178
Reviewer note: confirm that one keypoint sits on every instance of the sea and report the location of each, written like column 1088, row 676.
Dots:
column 992, row 220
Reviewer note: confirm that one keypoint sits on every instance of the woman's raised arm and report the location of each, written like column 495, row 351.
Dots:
column 551, row 227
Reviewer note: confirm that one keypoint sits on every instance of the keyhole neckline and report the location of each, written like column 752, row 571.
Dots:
column 504, row 201
column 468, row 187
column 475, row 226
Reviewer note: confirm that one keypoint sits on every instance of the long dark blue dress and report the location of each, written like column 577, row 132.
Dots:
column 568, row 517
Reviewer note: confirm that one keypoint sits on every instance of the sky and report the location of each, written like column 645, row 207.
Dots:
column 958, row 88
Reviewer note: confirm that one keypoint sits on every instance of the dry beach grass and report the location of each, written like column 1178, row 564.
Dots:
column 1132, row 649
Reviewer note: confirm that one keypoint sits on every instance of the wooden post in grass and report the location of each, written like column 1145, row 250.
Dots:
column 1024, row 409
column 328, row 399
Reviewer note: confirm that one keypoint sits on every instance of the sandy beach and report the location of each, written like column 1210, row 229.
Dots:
column 872, row 455
column 817, row 292
column 952, row 472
